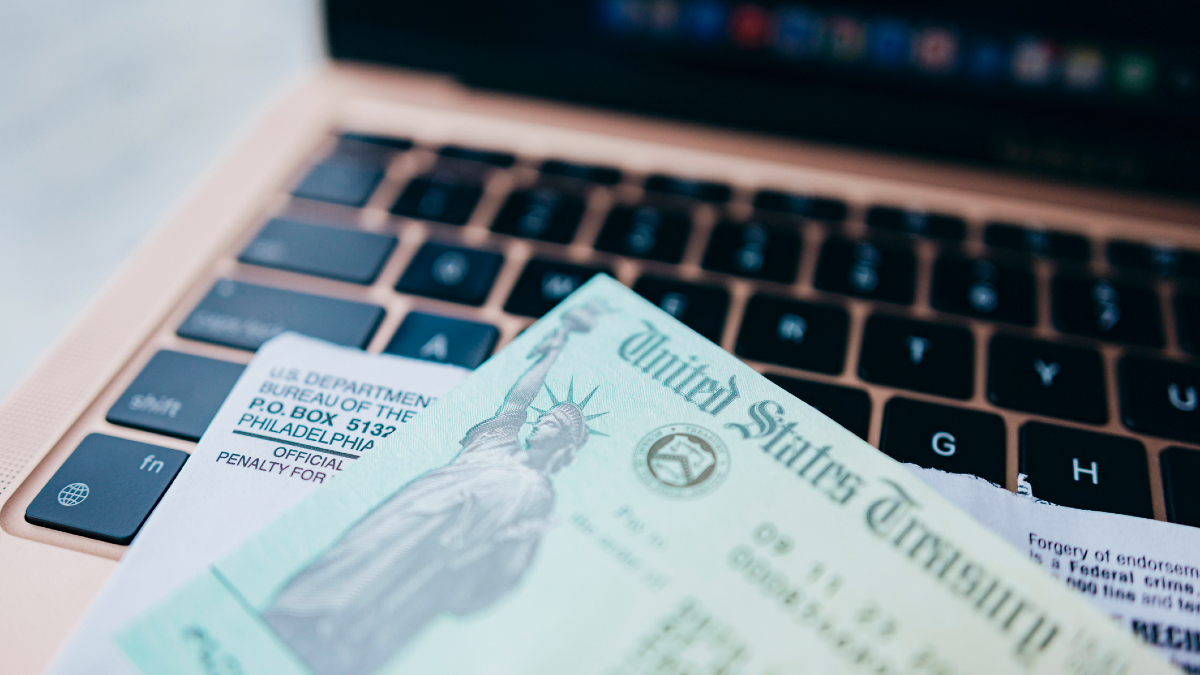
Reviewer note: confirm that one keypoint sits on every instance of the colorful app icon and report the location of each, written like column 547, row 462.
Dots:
column 704, row 20
column 888, row 42
column 749, row 26
column 847, row 38
column 664, row 17
column 799, row 33
column 986, row 60
column 1083, row 69
column 1034, row 61
column 935, row 50
column 1135, row 74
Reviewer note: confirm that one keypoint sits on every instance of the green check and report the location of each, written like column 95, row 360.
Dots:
column 614, row 494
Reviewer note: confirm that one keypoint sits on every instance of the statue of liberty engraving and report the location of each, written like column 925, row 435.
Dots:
column 454, row 540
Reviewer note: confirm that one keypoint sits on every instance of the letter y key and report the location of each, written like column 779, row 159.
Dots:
column 1046, row 371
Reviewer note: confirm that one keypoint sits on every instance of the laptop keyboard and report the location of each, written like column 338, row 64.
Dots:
column 828, row 304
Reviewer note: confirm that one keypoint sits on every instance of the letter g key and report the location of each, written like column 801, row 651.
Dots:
column 943, row 443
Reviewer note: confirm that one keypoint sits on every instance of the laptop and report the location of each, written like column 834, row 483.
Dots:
column 967, row 234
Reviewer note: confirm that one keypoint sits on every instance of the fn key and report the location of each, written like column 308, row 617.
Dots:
column 106, row 488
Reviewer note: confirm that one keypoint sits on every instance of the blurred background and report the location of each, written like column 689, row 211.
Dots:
column 109, row 112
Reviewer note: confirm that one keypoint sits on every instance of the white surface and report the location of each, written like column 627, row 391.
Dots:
column 108, row 112
column 218, row 504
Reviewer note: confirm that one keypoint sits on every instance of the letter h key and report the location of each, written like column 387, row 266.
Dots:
column 1094, row 471
column 1062, row 466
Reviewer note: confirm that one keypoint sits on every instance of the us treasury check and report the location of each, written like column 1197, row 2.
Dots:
column 614, row 494
column 301, row 414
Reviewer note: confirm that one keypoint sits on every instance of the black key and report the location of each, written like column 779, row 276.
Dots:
column 340, row 181
column 705, row 191
column 500, row 159
column 754, row 250
column 1086, row 470
column 645, row 232
column 940, row 437
column 867, row 270
column 604, row 175
column 541, row 213
column 176, row 394
column 936, row 225
column 817, row 208
column 1101, row 309
column 984, row 289
column 368, row 149
column 700, row 307
column 919, row 356
column 1187, row 322
column 1038, row 242
column 1188, row 265
column 1047, row 378
column 445, row 340
column 334, row 252
column 544, row 283
column 451, row 273
column 793, row 333
column 1163, row 260
column 390, row 142
column 850, row 408
column 1137, row 256
column 1160, row 398
column 1181, row 474
column 106, row 488
column 444, row 197
column 241, row 315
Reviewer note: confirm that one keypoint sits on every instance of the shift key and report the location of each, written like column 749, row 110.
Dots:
column 176, row 394
column 242, row 315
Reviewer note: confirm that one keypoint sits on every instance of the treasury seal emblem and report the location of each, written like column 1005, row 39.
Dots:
column 681, row 460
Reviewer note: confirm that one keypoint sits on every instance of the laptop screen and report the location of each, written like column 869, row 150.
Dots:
column 1101, row 92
